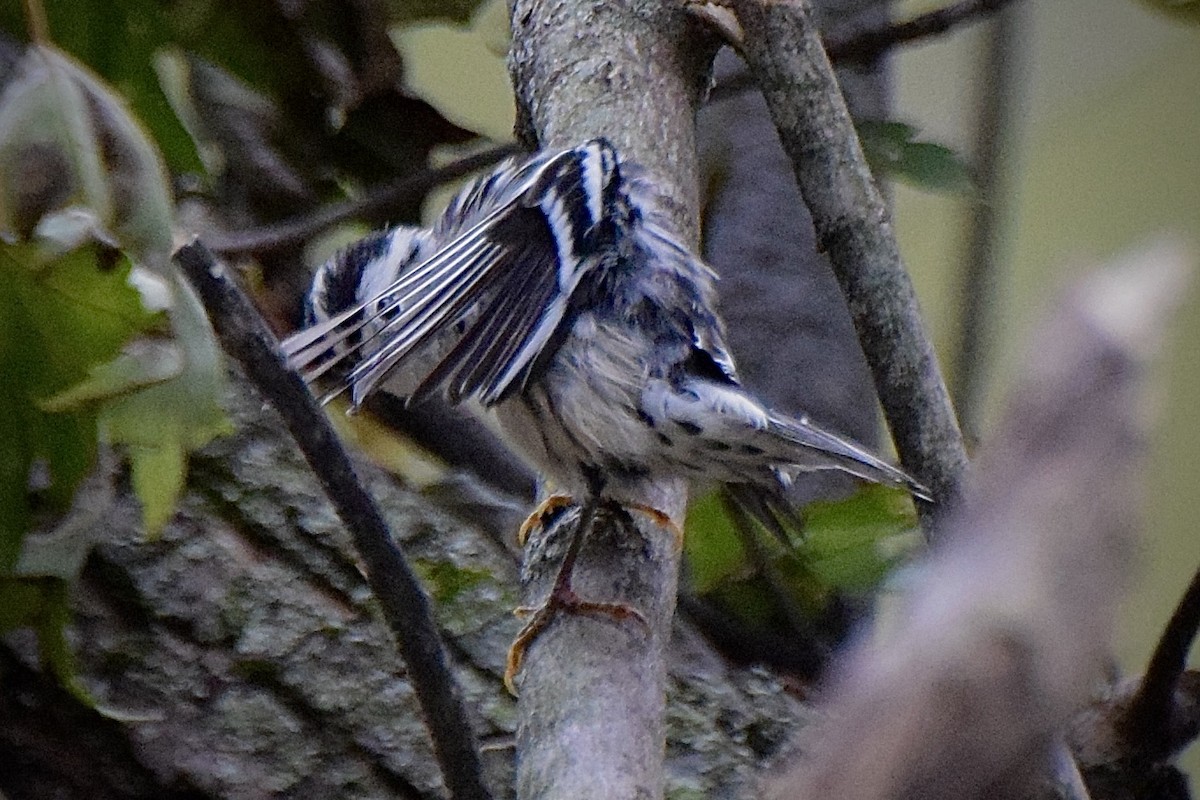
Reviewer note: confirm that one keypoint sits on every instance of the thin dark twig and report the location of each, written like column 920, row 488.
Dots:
column 867, row 44
column 245, row 337
column 256, row 241
column 1155, row 698
column 998, row 79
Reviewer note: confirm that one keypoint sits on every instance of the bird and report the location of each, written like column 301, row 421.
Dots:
column 554, row 295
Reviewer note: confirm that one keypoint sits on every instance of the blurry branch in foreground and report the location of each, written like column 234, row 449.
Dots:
column 1008, row 630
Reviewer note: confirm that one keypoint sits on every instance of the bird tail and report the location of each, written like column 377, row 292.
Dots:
column 807, row 447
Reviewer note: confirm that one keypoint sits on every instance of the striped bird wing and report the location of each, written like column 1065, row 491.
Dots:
column 506, row 259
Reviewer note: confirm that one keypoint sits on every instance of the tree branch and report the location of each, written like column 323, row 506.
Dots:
column 995, row 129
column 868, row 44
column 865, row 44
column 1153, row 709
column 245, row 337
column 1126, row 742
column 784, row 52
column 378, row 199
column 592, row 690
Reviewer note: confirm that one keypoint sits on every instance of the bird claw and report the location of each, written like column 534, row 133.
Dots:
column 538, row 516
column 562, row 596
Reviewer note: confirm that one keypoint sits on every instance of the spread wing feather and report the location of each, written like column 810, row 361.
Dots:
column 492, row 356
column 505, row 257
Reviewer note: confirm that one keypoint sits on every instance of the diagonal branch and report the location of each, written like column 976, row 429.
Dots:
column 784, row 52
column 297, row 230
column 245, row 337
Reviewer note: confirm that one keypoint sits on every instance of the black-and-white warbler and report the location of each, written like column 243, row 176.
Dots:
column 553, row 293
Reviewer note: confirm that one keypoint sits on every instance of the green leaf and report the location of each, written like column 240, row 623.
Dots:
column 712, row 547
column 161, row 423
column 851, row 544
column 846, row 544
column 60, row 316
column 891, row 149
column 846, row 547
column 84, row 197
column 143, row 363
column 109, row 186
column 158, row 473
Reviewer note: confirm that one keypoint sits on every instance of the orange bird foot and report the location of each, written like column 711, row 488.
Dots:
column 562, row 598
column 660, row 518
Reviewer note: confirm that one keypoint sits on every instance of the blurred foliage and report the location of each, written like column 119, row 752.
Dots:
column 852, row 544
column 847, row 544
column 256, row 111
column 61, row 317
column 117, row 40
column 42, row 603
column 892, row 149
column 843, row 549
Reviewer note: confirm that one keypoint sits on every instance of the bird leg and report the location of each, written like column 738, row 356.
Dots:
column 562, row 597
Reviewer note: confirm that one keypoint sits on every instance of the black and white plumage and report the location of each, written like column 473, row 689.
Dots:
column 553, row 293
